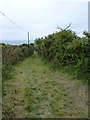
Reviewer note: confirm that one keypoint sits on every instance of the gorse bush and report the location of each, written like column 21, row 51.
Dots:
column 12, row 55
column 65, row 48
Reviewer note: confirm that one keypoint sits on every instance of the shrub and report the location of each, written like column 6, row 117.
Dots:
column 12, row 55
column 65, row 48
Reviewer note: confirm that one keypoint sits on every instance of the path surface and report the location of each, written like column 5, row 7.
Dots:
column 36, row 91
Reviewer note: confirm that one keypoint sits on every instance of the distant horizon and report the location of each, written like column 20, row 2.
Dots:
column 22, row 41
column 15, row 42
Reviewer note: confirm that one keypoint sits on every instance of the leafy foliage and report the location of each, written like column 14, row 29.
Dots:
column 65, row 48
column 12, row 55
column 87, row 34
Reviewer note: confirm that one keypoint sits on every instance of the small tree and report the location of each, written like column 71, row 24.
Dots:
column 86, row 34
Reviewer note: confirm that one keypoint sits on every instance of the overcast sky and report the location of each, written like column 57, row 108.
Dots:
column 41, row 17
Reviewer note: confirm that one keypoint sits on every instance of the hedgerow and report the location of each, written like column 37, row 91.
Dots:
column 12, row 54
column 65, row 48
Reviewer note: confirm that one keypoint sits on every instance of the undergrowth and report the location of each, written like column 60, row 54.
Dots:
column 68, row 52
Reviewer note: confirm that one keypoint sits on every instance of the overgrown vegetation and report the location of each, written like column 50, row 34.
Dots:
column 66, row 50
column 38, row 91
column 12, row 54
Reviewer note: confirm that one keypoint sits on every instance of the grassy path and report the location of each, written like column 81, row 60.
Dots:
column 36, row 91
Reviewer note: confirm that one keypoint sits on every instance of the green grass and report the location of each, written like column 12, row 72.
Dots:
column 71, row 70
column 47, row 92
column 83, row 77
